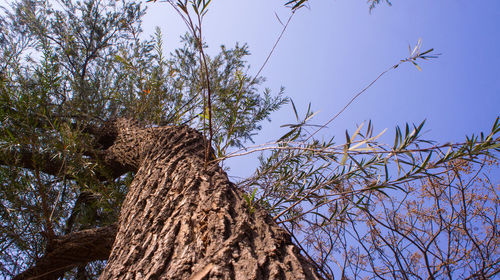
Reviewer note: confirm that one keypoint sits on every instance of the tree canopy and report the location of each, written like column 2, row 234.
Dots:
column 409, row 209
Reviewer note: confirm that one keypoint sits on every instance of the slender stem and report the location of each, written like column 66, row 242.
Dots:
column 273, row 48
column 351, row 101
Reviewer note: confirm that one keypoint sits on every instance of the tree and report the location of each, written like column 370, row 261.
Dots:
column 63, row 153
column 98, row 162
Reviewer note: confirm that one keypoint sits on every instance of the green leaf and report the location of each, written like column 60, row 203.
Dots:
column 252, row 197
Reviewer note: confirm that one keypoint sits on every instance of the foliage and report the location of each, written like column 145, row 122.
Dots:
column 297, row 4
column 358, row 208
column 237, row 108
column 67, row 65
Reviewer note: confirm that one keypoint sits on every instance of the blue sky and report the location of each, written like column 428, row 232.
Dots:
column 334, row 48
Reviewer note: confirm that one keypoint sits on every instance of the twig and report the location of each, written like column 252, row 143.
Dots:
column 273, row 48
column 351, row 101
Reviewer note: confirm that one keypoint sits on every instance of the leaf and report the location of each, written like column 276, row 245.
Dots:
column 288, row 134
column 247, row 199
column 294, row 110
column 278, row 19
column 416, row 65
column 417, row 47
column 297, row 4
column 311, row 116
column 426, row 52
column 357, row 132
column 344, row 157
column 121, row 59
column 252, row 197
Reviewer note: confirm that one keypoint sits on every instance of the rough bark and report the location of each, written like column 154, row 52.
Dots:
column 71, row 250
column 183, row 219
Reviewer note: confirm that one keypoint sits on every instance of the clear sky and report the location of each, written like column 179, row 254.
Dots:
column 336, row 47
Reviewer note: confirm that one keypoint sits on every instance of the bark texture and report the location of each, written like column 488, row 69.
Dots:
column 182, row 219
column 70, row 250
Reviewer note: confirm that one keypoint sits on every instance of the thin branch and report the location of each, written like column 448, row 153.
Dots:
column 25, row 158
column 351, row 101
column 273, row 48
column 338, row 149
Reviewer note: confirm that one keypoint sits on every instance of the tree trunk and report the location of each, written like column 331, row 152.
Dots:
column 183, row 219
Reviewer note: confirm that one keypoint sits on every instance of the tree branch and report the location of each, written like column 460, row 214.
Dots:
column 25, row 158
column 50, row 164
column 71, row 250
